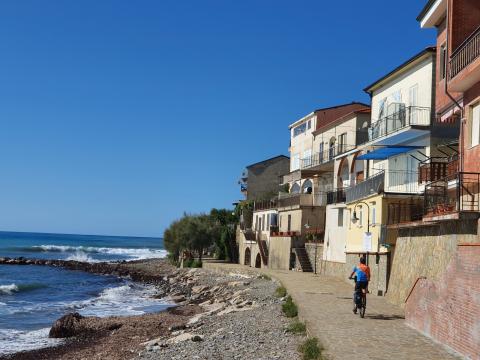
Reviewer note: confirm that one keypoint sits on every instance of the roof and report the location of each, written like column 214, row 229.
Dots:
column 267, row 160
column 342, row 118
column 425, row 9
column 326, row 109
column 342, row 105
column 410, row 62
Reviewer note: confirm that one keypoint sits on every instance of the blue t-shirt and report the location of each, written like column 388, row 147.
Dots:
column 362, row 272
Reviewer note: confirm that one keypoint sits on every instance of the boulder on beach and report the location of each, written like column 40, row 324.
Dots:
column 67, row 326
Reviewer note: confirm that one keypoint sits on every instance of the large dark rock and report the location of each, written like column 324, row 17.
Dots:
column 67, row 326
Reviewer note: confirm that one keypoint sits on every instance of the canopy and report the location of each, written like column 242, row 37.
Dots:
column 386, row 152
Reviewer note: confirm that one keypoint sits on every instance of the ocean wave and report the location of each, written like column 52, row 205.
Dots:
column 134, row 254
column 12, row 340
column 81, row 256
column 13, row 288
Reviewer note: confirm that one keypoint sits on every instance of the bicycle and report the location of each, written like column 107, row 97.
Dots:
column 359, row 299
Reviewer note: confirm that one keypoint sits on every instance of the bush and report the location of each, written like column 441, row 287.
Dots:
column 297, row 327
column 191, row 263
column 311, row 350
column 281, row 292
column 289, row 308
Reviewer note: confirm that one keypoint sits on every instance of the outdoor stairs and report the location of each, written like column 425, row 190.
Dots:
column 262, row 245
column 303, row 259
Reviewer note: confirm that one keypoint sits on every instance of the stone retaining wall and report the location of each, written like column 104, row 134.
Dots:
column 425, row 252
column 330, row 268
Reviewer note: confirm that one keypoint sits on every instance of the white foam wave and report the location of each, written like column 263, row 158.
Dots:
column 81, row 256
column 12, row 340
column 133, row 254
column 8, row 289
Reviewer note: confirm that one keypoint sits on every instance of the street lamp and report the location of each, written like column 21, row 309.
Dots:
column 355, row 218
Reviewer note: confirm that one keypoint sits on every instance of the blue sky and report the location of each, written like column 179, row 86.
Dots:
column 118, row 116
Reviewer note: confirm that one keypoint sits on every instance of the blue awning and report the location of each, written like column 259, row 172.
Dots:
column 386, row 152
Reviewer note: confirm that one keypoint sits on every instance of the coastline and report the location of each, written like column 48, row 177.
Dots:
column 205, row 304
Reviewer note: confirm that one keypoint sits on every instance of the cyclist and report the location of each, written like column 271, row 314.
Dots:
column 362, row 275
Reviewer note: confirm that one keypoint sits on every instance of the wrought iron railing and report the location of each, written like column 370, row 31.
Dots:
column 265, row 205
column 437, row 168
column 456, row 193
column 465, row 54
column 336, row 196
column 325, row 157
column 403, row 116
column 371, row 185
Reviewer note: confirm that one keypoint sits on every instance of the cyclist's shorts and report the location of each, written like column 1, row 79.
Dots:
column 360, row 285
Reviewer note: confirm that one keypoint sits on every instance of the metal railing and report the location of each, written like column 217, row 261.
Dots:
column 336, row 196
column 465, row 54
column 293, row 200
column 437, row 168
column 265, row 205
column 404, row 212
column 456, row 193
column 324, row 157
column 405, row 182
column 404, row 116
column 369, row 186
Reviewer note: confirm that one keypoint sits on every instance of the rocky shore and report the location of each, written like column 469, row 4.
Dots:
column 213, row 316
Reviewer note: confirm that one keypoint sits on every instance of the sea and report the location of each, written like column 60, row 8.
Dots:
column 33, row 297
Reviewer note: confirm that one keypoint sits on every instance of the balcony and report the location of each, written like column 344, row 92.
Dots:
column 464, row 63
column 300, row 200
column 446, row 199
column 336, row 196
column 402, row 118
column 263, row 205
column 437, row 168
column 325, row 157
column 405, row 212
column 370, row 186
column 402, row 182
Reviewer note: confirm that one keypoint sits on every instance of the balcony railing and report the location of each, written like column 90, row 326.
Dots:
column 294, row 200
column 465, row 54
column 404, row 182
column 265, row 205
column 405, row 212
column 370, row 186
column 403, row 117
column 437, row 168
column 336, row 196
column 324, row 157
column 457, row 193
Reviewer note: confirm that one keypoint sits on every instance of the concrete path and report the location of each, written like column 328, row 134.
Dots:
column 325, row 304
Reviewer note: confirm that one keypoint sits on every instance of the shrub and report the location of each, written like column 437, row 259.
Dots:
column 281, row 292
column 289, row 308
column 311, row 350
column 191, row 263
column 297, row 327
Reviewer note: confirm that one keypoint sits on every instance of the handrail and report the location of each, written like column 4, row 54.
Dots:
column 464, row 42
column 465, row 54
column 413, row 287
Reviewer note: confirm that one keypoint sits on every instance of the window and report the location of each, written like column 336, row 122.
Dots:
column 413, row 95
column 475, row 124
column 381, row 108
column 280, row 221
column 289, row 226
column 256, row 222
column 443, row 61
column 300, row 129
column 295, row 162
column 374, row 213
column 307, row 158
column 263, row 222
column 268, row 222
column 340, row 217
column 309, row 124
column 342, row 143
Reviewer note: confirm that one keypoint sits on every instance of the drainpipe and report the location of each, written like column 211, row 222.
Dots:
column 447, row 75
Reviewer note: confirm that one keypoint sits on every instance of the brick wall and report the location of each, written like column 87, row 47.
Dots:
column 448, row 309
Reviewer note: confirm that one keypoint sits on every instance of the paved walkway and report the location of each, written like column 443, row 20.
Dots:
column 325, row 304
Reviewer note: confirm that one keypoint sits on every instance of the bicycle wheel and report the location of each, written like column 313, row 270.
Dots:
column 362, row 312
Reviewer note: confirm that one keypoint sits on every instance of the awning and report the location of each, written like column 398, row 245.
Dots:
column 386, row 152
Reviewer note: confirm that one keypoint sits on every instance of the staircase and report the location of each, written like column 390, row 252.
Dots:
column 303, row 259
column 262, row 245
